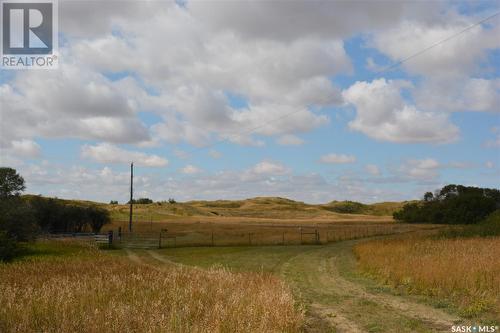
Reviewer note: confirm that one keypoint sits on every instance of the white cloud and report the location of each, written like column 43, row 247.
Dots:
column 457, row 56
column 24, row 148
column 494, row 143
column 489, row 165
column 383, row 114
column 337, row 159
column 269, row 168
column 372, row 169
column 214, row 154
column 459, row 94
column 108, row 153
column 423, row 169
column 106, row 184
column 69, row 102
column 288, row 20
column 190, row 170
column 289, row 140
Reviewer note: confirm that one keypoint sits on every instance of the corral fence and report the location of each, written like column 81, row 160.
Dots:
column 165, row 238
column 287, row 235
column 101, row 239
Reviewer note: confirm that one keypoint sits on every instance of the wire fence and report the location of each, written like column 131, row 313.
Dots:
column 277, row 235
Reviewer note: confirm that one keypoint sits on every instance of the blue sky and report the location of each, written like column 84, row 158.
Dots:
column 259, row 99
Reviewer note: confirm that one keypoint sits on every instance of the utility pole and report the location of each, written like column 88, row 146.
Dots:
column 131, row 195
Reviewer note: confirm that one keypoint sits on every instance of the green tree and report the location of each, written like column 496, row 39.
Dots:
column 97, row 218
column 17, row 222
column 453, row 204
column 11, row 183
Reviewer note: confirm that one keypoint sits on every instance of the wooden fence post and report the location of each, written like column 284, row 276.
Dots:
column 110, row 238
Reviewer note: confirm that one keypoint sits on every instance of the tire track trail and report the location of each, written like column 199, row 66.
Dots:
column 343, row 305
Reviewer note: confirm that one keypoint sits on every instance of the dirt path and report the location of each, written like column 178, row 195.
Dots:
column 324, row 278
column 338, row 301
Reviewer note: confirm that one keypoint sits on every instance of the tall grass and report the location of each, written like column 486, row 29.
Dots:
column 103, row 293
column 463, row 271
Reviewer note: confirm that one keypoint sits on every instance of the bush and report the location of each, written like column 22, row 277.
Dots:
column 17, row 219
column 490, row 226
column 453, row 204
column 53, row 215
column 8, row 247
column 141, row 201
column 347, row 207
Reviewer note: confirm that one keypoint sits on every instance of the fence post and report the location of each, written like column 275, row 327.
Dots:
column 110, row 238
column 317, row 236
column 120, row 233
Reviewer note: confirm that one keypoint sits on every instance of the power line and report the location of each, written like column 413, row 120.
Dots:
column 251, row 130
column 437, row 44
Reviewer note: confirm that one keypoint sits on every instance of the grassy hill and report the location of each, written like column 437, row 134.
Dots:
column 353, row 207
column 259, row 207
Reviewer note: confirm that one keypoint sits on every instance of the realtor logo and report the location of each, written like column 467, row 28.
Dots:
column 29, row 34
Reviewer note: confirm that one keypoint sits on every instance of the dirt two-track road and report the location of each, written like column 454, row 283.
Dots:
column 324, row 278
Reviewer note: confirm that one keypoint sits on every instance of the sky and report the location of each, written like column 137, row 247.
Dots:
column 231, row 100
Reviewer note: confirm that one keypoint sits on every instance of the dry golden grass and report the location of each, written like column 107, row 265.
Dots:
column 245, row 233
column 96, row 292
column 275, row 210
column 463, row 271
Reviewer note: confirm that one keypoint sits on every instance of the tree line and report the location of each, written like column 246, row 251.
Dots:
column 453, row 204
column 23, row 218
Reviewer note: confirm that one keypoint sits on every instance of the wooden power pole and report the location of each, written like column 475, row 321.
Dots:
column 131, row 196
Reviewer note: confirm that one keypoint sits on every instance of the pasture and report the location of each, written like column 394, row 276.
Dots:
column 237, row 267
column 71, row 287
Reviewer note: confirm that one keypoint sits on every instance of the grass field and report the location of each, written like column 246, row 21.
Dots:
column 326, row 282
column 464, row 272
column 266, row 210
column 68, row 287
column 312, row 288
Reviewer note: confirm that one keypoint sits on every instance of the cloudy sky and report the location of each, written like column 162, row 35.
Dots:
column 238, row 99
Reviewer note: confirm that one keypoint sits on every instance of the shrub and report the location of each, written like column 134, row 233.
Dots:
column 141, row 201
column 8, row 247
column 453, row 204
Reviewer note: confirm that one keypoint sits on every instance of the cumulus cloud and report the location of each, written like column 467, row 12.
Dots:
column 104, row 183
column 372, row 169
column 468, row 94
column 190, row 170
column 23, row 148
column 108, row 153
column 337, row 159
column 458, row 56
column 383, row 114
column 424, row 169
column 288, row 20
column 69, row 102
column 289, row 140
column 495, row 142
column 269, row 168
